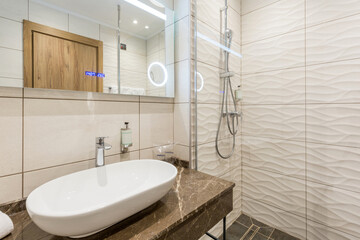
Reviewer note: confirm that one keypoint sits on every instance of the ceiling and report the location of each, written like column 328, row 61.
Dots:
column 106, row 11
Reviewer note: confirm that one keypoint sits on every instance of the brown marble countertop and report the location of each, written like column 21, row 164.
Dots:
column 192, row 192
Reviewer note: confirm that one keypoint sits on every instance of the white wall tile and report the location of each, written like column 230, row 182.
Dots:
column 275, row 87
column 10, row 188
column 280, row 191
column 336, row 208
column 11, row 82
column 156, row 124
column 182, row 9
column 334, row 124
column 182, row 81
column 48, row 16
column 181, row 152
column 11, row 63
column 336, row 82
column 134, row 44
column 11, row 136
column 84, row 27
column 11, row 36
column 281, row 156
column 319, row 11
column 108, row 36
column 333, row 41
column 61, row 131
column 14, row 9
column 275, row 19
column 332, row 165
column 274, row 121
column 284, row 51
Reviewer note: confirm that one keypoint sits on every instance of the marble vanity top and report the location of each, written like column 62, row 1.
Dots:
column 194, row 195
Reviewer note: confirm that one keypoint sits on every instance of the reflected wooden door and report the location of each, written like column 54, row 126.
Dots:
column 60, row 59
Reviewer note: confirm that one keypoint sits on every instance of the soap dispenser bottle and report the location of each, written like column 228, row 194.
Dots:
column 126, row 138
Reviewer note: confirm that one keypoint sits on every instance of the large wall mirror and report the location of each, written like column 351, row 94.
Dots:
column 109, row 46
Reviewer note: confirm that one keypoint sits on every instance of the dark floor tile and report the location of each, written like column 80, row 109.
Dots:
column 248, row 235
column 259, row 236
column 235, row 231
column 279, row 235
column 244, row 220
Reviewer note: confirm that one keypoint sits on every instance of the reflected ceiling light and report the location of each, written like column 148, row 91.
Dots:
column 146, row 8
column 165, row 74
column 202, row 82
column 156, row 3
column 135, row 21
column 147, row 27
column 202, row 36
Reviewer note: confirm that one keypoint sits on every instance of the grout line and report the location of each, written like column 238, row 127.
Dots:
column 22, row 142
column 9, row 48
column 271, row 233
column 256, row 9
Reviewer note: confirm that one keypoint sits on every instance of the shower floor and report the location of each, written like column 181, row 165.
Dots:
column 247, row 228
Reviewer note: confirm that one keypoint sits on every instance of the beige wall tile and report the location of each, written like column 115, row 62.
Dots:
column 11, row 136
column 251, row 5
column 333, row 41
column 64, row 94
column 10, row 188
column 11, row 82
column 10, row 92
column 208, row 11
column 60, row 131
column 182, row 81
column 156, row 124
column 316, row 231
column 319, row 11
column 182, row 152
column 108, row 36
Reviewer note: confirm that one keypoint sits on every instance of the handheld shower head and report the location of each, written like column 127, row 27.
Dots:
column 228, row 37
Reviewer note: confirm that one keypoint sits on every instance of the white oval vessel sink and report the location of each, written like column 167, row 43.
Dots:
column 86, row 202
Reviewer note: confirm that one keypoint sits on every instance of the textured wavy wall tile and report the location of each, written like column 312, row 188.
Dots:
column 316, row 231
column 275, row 53
column 275, row 19
column 281, row 156
column 251, row 5
column 318, row 11
column 210, row 162
column 334, row 124
column 272, row 216
column 334, row 82
column 274, row 121
column 208, row 11
column 236, row 5
column 276, row 87
column 283, row 192
column 208, row 120
column 333, row 207
column 235, row 61
column 206, row 52
column 132, row 61
column 333, row 41
column 234, row 23
column 332, row 165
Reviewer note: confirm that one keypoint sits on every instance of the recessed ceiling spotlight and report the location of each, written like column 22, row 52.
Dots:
column 147, row 27
column 135, row 21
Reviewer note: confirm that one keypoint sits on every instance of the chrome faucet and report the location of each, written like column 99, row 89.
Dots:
column 100, row 148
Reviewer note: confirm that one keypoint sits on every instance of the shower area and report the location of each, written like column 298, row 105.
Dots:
column 276, row 109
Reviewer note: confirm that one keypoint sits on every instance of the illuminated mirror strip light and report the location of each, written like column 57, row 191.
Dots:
column 165, row 74
column 202, row 82
column 202, row 36
column 146, row 8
